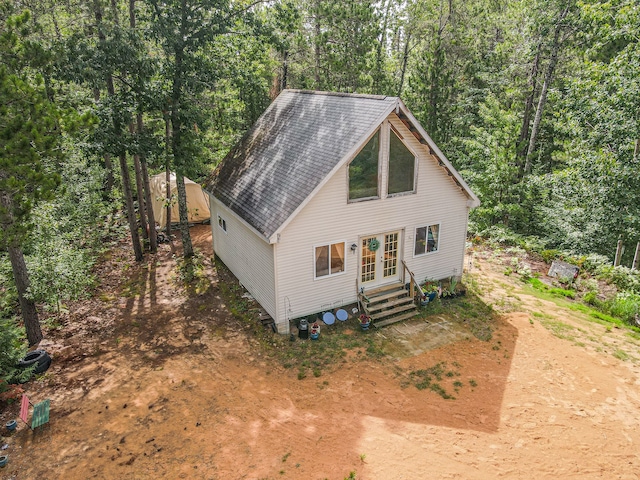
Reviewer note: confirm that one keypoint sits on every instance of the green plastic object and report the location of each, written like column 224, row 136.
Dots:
column 40, row 414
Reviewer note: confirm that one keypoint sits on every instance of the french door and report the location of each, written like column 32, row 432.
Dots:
column 380, row 259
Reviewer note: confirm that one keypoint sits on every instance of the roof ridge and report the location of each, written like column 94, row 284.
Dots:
column 339, row 94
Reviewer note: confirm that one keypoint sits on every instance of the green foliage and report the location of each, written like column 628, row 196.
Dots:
column 625, row 306
column 549, row 255
column 426, row 379
column 556, row 292
column 333, row 47
column 192, row 274
column 467, row 70
column 12, row 349
column 622, row 277
column 29, row 131
column 67, row 236
column 477, row 315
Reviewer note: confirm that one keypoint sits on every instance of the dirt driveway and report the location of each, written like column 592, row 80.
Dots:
column 150, row 382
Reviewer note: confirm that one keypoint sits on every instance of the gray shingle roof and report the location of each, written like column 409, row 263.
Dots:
column 292, row 147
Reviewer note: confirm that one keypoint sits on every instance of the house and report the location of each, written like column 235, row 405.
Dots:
column 332, row 194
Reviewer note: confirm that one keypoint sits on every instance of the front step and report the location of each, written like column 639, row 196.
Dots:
column 391, row 303
column 389, row 321
column 393, row 311
column 386, row 296
column 388, row 304
column 377, row 291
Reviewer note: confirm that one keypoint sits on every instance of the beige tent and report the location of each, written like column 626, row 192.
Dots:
column 197, row 200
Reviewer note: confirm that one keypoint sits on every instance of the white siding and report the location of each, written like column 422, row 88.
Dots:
column 249, row 257
column 329, row 218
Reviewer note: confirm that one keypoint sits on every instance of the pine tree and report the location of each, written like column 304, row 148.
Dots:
column 29, row 134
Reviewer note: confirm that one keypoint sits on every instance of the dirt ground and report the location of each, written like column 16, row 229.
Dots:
column 149, row 382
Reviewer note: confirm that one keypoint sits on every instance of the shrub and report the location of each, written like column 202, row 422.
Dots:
column 12, row 349
column 622, row 277
column 549, row 255
column 594, row 261
column 525, row 272
column 626, row 306
column 590, row 298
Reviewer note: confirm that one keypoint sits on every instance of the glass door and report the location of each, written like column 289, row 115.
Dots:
column 368, row 262
column 379, row 257
column 390, row 258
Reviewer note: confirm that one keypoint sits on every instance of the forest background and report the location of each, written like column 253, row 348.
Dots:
column 536, row 103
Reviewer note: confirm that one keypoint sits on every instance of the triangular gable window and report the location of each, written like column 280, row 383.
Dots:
column 401, row 167
column 363, row 171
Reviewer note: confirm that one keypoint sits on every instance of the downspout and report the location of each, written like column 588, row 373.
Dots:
column 276, row 290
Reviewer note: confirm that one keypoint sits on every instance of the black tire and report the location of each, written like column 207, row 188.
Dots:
column 39, row 358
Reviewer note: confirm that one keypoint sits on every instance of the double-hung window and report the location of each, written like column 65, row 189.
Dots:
column 329, row 259
column 427, row 239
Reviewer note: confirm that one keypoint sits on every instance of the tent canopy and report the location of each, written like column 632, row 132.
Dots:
column 197, row 200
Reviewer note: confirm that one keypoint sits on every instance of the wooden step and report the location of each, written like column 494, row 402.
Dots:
column 399, row 318
column 374, row 307
column 387, row 296
column 384, row 288
column 393, row 311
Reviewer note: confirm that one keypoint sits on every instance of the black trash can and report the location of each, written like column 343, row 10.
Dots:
column 303, row 328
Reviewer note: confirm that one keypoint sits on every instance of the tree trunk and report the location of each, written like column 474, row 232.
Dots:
column 167, row 136
column 27, row 306
column 143, row 177
column 187, row 246
column 526, row 118
column 128, row 196
column 434, row 89
column 378, row 74
column 124, row 169
column 153, row 238
column 548, row 78
column 285, row 70
column 140, row 192
column 405, row 60
column 108, row 165
column 317, row 48
column 176, row 144
column 114, row 9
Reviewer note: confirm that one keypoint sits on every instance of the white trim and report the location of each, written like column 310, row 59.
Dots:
column 344, row 258
column 415, row 238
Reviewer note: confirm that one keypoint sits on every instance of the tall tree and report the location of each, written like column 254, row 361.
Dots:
column 186, row 30
column 29, row 133
column 147, row 218
column 559, row 38
column 118, row 131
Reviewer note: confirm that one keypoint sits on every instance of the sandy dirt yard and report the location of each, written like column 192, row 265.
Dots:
column 149, row 381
